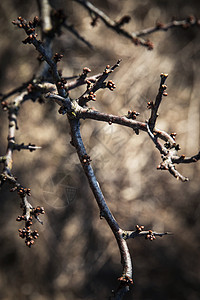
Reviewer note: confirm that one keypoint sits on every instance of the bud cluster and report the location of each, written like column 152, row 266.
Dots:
column 85, row 72
column 29, row 27
column 21, row 191
column 139, row 228
column 57, row 57
column 132, row 114
column 110, row 85
column 150, row 236
column 26, row 233
column 126, row 280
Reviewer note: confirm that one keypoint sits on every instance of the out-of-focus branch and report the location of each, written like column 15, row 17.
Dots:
column 16, row 90
column 45, row 15
column 186, row 23
column 72, row 29
column 116, row 26
column 135, row 37
column 47, row 32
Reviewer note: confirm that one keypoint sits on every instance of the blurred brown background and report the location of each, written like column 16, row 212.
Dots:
column 76, row 256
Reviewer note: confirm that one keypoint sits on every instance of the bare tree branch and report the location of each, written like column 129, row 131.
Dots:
column 49, row 80
column 186, row 23
column 154, row 106
column 104, row 210
column 135, row 37
column 140, row 232
column 116, row 26
column 71, row 29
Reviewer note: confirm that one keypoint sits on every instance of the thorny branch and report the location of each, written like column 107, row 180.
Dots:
column 44, row 84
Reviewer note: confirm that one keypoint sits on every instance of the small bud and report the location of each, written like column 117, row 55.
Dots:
column 150, row 104
column 159, row 25
column 150, row 45
column 94, row 21
column 86, row 70
column 124, row 20
column 173, row 135
column 162, row 75
column 57, row 57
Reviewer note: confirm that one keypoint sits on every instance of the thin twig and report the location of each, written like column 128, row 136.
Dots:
column 185, row 160
column 186, row 23
column 30, row 147
column 16, row 90
column 154, row 106
column 140, row 232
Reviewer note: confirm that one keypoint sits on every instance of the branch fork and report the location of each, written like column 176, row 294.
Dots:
column 76, row 109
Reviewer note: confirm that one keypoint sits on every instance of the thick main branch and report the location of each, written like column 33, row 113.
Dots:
column 104, row 210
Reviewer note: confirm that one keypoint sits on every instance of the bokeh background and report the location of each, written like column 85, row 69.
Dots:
column 76, row 256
